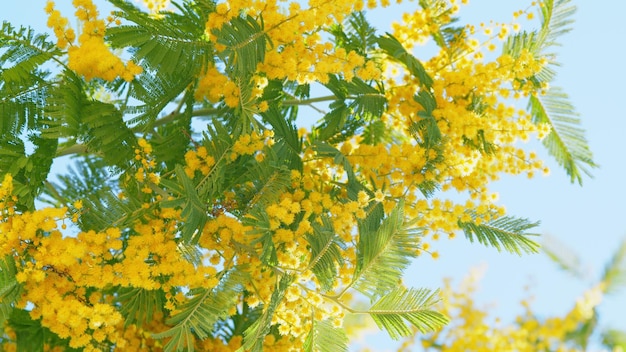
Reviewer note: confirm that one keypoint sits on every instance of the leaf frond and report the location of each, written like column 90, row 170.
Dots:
column 324, row 337
column 196, row 318
column 411, row 305
column 508, row 233
column 614, row 274
column 383, row 252
column 566, row 140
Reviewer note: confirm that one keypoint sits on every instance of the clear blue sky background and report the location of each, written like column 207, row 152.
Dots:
column 588, row 219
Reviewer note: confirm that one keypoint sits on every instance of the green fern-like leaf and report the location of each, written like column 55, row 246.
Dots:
column 392, row 47
column 614, row 274
column 108, row 134
column 356, row 34
column 90, row 181
column 197, row 317
column 324, row 337
column 26, row 51
column 10, row 289
column 286, row 136
column 556, row 20
column 245, row 41
column 383, row 252
column 156, row 92
column 139, row 305
column 425, row 130
column 506, row 233
column 259, row 222
column 325, row 253
column 172, row 44
column 268, row 182
column 254, row 335
column 29, row 171
column 411, row 305
column 566, row 141
column 563, row 256
column 194, row 210
column 64, row 105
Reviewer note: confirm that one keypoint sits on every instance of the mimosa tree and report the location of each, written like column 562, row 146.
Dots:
column 201, row 213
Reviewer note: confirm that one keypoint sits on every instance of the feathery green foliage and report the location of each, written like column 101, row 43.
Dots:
column 508, row 233
column 9, row 288
column 383, row 252
column 411, row 305
column 324, row 337
column 198, row 316
column 614, row 274
column 253, row 336
column 392, row 47
column 139, row 305
column 566, row 141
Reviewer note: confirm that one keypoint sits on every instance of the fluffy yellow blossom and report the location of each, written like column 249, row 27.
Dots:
column 90, row 57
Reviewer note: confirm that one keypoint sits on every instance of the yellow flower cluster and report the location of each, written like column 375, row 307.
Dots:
column 56, row 271
column 472, row 327
column 198, row 160
column 252, row 144
column 153, row 259
column 63, row 276
column 214, row 86
column 298, row 51
column 91, row 57
column 145, row 173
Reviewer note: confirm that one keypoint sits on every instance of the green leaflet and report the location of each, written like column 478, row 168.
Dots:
column 384, row 251
column 259, row 220
column 139, row 305
column 425, row 130
column 196, row 318
column 10, row 289
column 253, row 336
column 324, row 337
column 614, row 274
column 355, row 34
column 108, row 134
column 172, row 44
column 29, row 171
column 392, row 47
column 194, row 210
column 23, row 85
column 64, row 108
column 289, row 144
column 505, row 232
column 245, row 42
column 566, row 141
column 325, row 253
column 411, row 305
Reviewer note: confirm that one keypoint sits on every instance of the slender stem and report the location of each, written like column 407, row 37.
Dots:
column 72, row 149
column 309, row 101
column 81, row 148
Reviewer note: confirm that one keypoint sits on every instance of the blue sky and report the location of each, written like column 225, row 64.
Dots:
column 587, row 219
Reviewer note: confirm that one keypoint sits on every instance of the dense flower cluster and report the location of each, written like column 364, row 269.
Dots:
column 91, row 57
column 473, row 327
